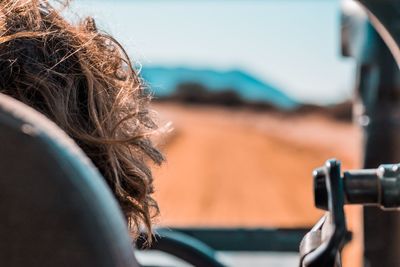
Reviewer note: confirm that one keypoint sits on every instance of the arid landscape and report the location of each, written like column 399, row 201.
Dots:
column 237, row 167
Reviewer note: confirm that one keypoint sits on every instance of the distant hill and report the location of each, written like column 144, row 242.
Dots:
column 164, row 82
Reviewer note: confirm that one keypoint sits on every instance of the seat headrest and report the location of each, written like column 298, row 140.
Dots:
column 56, row 209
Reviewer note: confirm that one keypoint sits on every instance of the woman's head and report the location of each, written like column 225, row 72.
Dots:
column 83, row 80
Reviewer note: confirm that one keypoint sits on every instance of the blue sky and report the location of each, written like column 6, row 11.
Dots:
column 293, row 44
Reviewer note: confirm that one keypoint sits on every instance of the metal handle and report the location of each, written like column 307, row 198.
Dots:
column 377, row 187
column 374, row 187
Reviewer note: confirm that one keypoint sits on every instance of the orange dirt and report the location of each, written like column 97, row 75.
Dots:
column 243, row 168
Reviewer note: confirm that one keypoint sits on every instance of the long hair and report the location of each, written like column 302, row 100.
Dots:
column 83, row 80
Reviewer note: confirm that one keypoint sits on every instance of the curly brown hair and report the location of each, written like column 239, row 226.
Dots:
column 83, row 80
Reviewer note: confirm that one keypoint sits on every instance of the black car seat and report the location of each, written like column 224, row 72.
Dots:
column 55, row 207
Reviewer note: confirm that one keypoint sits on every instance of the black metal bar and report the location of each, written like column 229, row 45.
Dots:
column 247, row 239
column 374, row 187
column 378, row 57
column 379, row 91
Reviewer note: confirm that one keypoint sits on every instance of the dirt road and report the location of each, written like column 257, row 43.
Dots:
column 243, row 168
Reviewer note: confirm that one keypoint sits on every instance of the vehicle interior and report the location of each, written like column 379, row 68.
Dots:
column 58, row 211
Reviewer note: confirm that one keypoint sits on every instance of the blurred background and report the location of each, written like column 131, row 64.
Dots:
column 258, row 96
